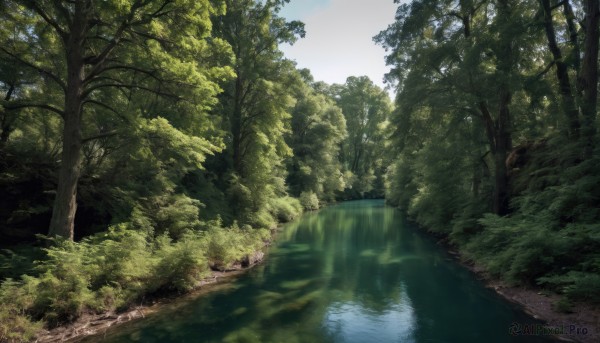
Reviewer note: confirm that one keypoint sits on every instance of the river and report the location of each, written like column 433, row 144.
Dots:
column 352, row 272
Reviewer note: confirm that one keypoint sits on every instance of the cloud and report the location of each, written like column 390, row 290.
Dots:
column 339, row 40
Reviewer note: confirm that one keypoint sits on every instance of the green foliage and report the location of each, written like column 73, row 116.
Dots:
column 576, row 285
column 552, row 238
column 309, row 201
column 113, row 270
column 181, row 265
column 366, row 109
column 15, row 323
column 286, row 209
column 318, row 129
column 178, row 216
column 228, row 245
column 63, row 288
column 470, row 85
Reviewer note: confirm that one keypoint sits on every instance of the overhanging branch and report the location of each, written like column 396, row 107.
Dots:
column 16, row 106
column 40, row 70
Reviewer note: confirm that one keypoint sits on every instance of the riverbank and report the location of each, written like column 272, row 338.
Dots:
column 94, row 324
column 580, row 324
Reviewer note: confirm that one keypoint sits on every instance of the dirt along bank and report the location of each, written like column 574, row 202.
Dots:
column 94, row 324
column 580, row 324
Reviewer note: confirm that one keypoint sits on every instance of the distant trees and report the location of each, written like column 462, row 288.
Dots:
column 318, row 128
column 366, row 108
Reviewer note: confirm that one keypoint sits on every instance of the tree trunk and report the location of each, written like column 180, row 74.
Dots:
column 236, row 126
column 588, row 79
column 502, row 133
column 503, row 147
column 5, row 125
column 65, row 203
column 573, row 36
column 568, row 101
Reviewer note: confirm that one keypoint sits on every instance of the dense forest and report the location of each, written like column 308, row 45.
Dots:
column 144, row 143
column 496, row 135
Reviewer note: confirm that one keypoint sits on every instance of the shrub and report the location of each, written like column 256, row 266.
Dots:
column 63, row 289
column 178, row 216
column 576, row 285
column 112, row 270
column 309, row 201
column 16, row 298
column 225, row 246
column 286, row 209
column 181, row 264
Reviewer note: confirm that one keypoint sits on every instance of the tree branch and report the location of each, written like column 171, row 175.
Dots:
column 17, row 106
column 38, row 69
column 98, row 103
column 36, row 8
column 99, row 60
column 100, row 135
column 118, row 85
column 63, row 10
column 557, row 5
column 546, row 70
column 150, row 73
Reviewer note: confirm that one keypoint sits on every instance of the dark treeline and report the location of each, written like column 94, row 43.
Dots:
column 143, row 143
column 495, row 133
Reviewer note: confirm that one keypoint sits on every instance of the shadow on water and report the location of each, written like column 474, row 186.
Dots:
column 353, row 272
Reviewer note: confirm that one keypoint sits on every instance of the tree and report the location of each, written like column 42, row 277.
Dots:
column 588, row 78
column 318, row 128
column 94, row 47
column 464, row 60
column 562, row 71
column 366, row 107
column 256, row 104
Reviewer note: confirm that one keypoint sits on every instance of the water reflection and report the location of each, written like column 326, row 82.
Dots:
column 354, row 272
column 352, row 322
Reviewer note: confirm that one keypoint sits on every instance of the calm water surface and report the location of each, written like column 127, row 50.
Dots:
column 353, row 272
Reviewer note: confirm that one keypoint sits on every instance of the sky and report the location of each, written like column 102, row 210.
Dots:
column 339, row 38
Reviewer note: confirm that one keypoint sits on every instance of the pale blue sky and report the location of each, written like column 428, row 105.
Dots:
column 339, row 36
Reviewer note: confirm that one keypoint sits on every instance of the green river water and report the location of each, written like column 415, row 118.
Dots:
column 353, row 272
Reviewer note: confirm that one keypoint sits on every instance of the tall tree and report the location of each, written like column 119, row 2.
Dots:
column 93, row 47
column 318, row 128
column 562, row 71
column 588, row 78
column 366, row 107
column 464, row 59
column 256, row 103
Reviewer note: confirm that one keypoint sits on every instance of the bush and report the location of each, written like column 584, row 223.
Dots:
column 178, row 216
column 225, row 246
column 260, row 219
column 309, row 201
column 15, row 323
column 575, row 285
column 63, row 290
column 286, row 209
column 181, row 265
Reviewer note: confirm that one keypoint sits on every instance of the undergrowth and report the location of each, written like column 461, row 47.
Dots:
column 113, row 270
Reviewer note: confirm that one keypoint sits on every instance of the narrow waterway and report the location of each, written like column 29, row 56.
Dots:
column 353, row 272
